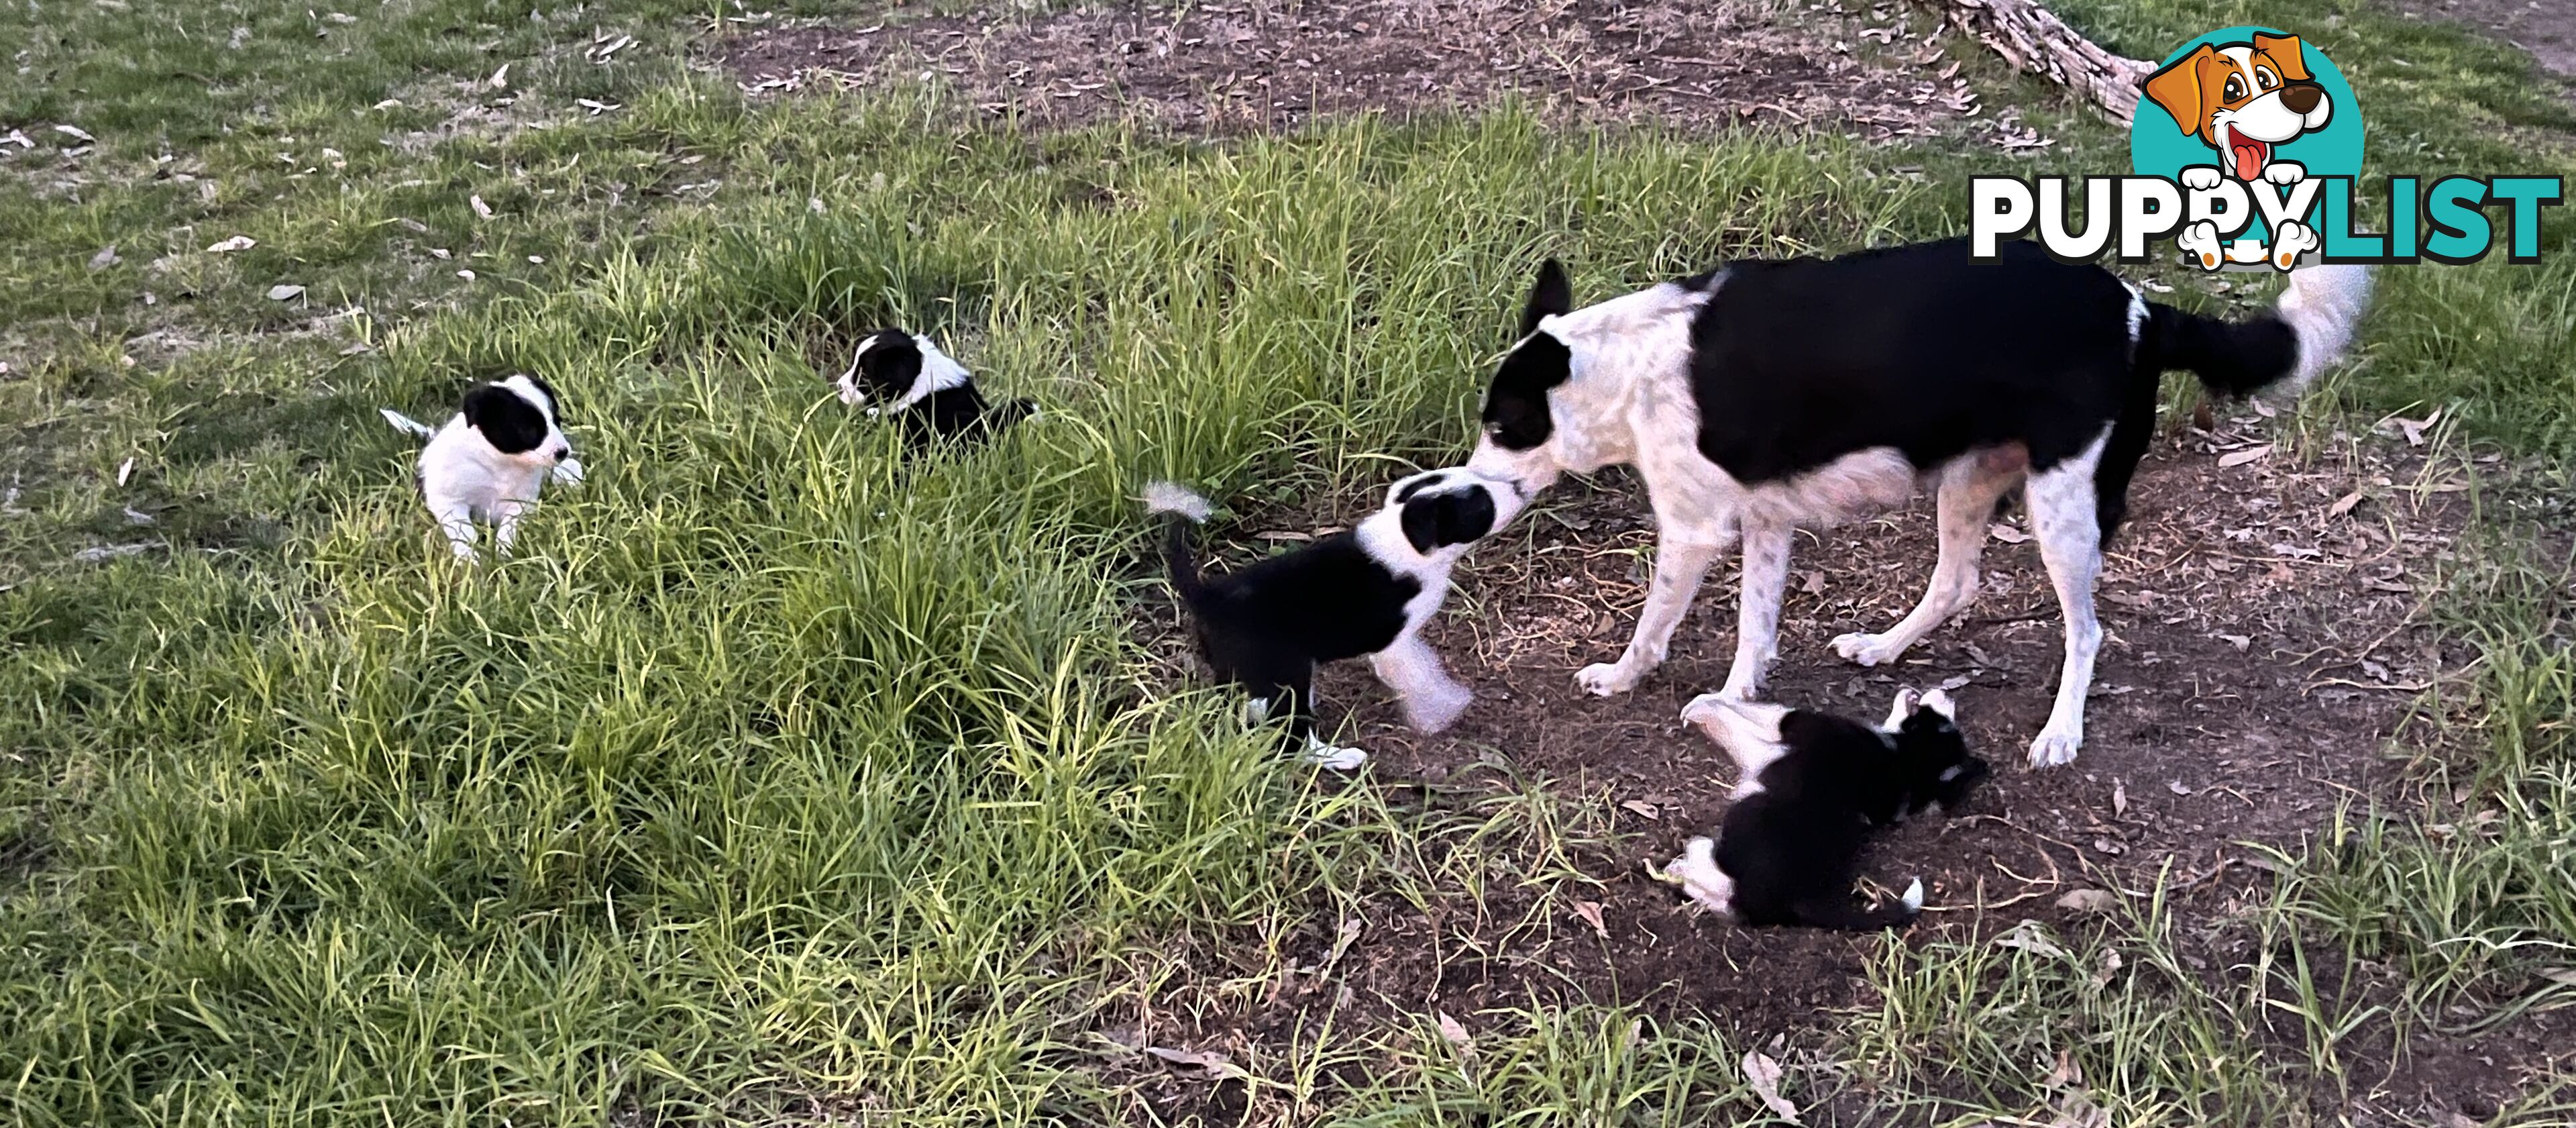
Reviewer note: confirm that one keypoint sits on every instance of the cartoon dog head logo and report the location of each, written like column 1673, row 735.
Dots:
column 2245, row 100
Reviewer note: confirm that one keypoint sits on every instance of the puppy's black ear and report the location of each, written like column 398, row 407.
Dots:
column 1434, row 520
column 1552, row 296
column 891, row 365
column 511, row 424
column 554, row 400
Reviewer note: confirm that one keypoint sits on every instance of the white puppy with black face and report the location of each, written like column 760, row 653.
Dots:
column 489, row 461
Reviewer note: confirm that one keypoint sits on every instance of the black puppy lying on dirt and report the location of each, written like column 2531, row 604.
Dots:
column 1810, row 788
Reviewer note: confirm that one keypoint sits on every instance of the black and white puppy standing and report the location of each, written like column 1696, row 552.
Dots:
column 1809, row 788
column 1769, row 395
column 906, row 376
column 1367, row 591
column 489, row 461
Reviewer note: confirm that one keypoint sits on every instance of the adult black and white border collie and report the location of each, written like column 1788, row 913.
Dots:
column 1367, row 591
column 489, row 461
column 904, row 375
column 1809, row 789
column 1768, row 395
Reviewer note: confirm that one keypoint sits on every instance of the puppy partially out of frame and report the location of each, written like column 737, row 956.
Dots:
column 904, row 375
column 1810, row 787
column 489, row 461
column 1367, row 591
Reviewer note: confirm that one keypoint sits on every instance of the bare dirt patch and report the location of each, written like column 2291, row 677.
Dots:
column 1252, row 67
column 2546, row 28
column 2264, row 641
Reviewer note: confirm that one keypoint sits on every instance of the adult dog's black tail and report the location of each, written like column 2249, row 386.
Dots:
column 2294, row 341
column 2291, row 343
column 1180, row 509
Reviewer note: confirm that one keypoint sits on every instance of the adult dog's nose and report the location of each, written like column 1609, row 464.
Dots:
column 2301, row 97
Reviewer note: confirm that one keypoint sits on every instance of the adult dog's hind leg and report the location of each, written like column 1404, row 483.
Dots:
column 1968, row 492
column 1680, row 565
column 2063, row 516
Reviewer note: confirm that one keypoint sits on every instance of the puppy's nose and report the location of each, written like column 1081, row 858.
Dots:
column 2301, row 97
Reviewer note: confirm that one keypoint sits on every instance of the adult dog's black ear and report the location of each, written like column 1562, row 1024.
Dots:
column 511, row 424
column 1551, row 296
column 1434, row 520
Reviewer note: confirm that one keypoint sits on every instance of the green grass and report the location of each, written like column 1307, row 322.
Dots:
column 770, row 778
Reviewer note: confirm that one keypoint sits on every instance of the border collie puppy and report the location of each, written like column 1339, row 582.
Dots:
column 1367, row 591
column 1769, row 395
column 1809, row 789
column 488, row 462
column 904, row 375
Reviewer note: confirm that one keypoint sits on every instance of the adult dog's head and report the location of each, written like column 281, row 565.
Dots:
column 2243, row 99
column 517, row 417
column 1557, row 403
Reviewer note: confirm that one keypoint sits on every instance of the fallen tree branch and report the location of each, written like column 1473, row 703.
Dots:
column 2031, row 38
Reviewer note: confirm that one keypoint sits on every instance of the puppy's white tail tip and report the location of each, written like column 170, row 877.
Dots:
column 406, row 424
column 1171, row 497
column 1913, row 898
column 2323, row 305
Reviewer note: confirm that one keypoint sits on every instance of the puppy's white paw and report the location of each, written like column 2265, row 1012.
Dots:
column 1697, row 873
column 2285, row 172
column 1339, row 759
column 1608, row 679
column 2200, row 176
column 1869, row 649
column 1438, row 709
column 1913, row 898
column 2056, row 745
column 567, row 472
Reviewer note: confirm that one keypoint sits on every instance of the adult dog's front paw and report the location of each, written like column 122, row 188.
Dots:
column 2056, row 746
column 1609, row 679
column 1869, row 649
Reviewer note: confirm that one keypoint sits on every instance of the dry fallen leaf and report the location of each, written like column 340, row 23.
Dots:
column 285, row 292
column 2028, row 937
column 1642, row 808
column 2175, row 786
column 481, row 210
column 125, row 471
column 1590, row 911
column 236, row 243
column 2006, row 533
column 1763, row 1074
column 501, row 77
column 76, row 133
column 1210, row 1061
column 1456, row 1032
column 104, row 259
column 2119, row 798
column 2240, row 458
column 2240, row 642
column 2083, row 901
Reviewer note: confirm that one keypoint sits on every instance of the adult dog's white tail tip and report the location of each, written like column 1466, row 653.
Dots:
column 1913, row 896
column 2323, row 305
column 1171, row 497
column 406, row 424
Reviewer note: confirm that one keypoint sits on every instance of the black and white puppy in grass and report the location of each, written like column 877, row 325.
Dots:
column 1367, row 591
column 488, row 462
column 904, row 375
column 1810, row 787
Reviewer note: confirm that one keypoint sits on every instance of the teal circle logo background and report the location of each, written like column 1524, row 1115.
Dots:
column 2160, row 146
